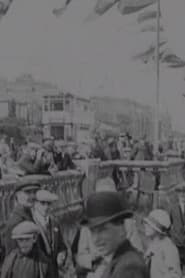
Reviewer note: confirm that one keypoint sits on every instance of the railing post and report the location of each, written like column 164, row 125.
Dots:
column 89, row 183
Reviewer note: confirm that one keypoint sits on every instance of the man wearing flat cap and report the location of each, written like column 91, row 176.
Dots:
column 106, row 215
column 50, row 239
column 26, row 260
column 24, row 196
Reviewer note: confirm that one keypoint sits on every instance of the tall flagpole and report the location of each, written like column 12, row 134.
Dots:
column 157, row 96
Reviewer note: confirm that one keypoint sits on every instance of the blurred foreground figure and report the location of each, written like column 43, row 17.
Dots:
column 162, row 254
column 106, row 215
column 24, row 197
column 26, row 260
column 50, row 239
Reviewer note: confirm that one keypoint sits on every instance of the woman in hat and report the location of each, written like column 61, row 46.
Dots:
column 162, row 255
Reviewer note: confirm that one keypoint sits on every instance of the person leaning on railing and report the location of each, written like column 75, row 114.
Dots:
column 36, row 160
column 63, row 160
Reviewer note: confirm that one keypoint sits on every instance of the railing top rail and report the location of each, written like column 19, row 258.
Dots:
column 142, row 163
column 41, row 178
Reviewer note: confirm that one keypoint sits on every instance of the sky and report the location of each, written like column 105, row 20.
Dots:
column 90, row 57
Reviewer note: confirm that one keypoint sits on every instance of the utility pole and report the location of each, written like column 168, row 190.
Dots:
column 157, row 97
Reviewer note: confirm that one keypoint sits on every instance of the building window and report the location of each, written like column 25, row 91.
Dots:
column 57, row 132
column 85, row 107
column 45, row 107
column 56, row 105
column 67, row 105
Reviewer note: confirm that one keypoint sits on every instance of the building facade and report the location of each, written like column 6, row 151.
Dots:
column 26, row 93
column 67, row 117
column 129, row 116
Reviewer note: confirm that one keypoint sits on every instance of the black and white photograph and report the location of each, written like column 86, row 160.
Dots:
column 92, row 139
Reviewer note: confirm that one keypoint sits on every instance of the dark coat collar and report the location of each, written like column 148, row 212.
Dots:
column 123, row 248
column 23, row 212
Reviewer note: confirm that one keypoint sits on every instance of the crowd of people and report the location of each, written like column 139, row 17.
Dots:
column 107, row 242
column 33, row 158
column 52, row 155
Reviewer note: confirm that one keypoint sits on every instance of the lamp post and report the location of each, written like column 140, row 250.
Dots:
column 157, row 97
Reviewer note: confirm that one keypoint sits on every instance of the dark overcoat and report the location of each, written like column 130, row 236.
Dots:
column 126, row 263
column 34, row 265
column 51, row 242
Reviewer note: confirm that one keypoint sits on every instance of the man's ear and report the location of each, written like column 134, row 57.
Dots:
column 123, row 229
column 35, row 237
column 20, row 197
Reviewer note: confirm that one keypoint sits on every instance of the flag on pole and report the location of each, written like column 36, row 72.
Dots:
column 174, row 24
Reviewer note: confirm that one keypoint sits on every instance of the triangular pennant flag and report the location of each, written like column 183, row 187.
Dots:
column 151, row 27
column 102, row 6
column 149, row 54
column 146, row 15
column 59, row 11
column 4, row 6
column 174, row 24
column 132, row 6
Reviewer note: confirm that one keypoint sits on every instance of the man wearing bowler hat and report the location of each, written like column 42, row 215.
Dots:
column 106, row 214
column 24, row 196
column 50, row 239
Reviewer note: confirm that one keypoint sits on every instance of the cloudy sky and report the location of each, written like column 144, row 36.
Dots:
column 86, row 56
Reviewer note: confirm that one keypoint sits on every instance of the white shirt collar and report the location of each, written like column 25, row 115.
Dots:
column 41, row 219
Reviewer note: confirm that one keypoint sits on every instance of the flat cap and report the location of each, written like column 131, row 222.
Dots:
column 46, row 196
column 111, row 141
column 48, row 145
column 24, row 229
column 34, row 146
column 49, row 138
column 27, row 186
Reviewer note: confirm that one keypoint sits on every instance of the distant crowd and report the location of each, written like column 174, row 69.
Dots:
column 53, row 155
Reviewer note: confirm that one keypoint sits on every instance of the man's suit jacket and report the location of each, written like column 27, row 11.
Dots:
column 126, row 263
column 35, row 265
column 63, row 161
column 51, row 238
column 21, row 214
column 51, row 241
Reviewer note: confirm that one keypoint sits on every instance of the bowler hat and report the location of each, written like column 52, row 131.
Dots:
column 103, row 207
column 26, row 186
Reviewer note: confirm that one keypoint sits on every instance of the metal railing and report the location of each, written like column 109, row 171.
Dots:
column 73, row 187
